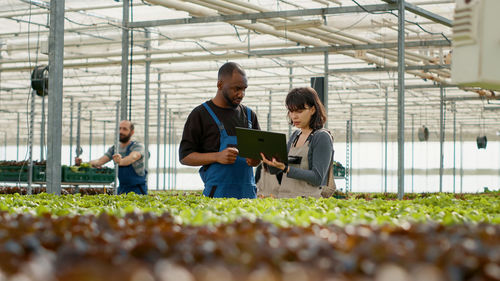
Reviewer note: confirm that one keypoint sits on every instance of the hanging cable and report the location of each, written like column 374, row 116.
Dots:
column 408, row 21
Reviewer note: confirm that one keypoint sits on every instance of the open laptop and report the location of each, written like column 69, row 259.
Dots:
column 252, row 142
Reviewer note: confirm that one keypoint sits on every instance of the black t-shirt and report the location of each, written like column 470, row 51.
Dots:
column 201, row 133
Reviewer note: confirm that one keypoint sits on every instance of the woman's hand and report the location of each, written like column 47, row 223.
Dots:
column 273, row 163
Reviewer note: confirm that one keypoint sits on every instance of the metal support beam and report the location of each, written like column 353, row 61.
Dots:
column 116, row 143
column 412, row 151
column 401, row 98
column 441, row 139
column 253, row 17
column 158, row 131
column 290, row 87
column 104, row 136
column 325, row 87
column 386, row 139
column 424, row 13
column 165, row 144
column 332, row 49
column 454, row 109
column 461, row 160
column 350, row 155
column 71, row 131
column 78, row 150
column 30, row 140
column 56, row 59
column 124, row 63
column 270, row 111
column 146, row 109
column 385, row 69
column 17, row 137
column 42, row 132
column 90, row 135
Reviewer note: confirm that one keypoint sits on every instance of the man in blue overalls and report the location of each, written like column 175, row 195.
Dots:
column 130, row 159
column 209, row 138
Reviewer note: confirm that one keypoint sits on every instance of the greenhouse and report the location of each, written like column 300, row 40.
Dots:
column 407, row 89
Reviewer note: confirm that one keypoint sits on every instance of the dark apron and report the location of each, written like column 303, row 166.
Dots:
column 130, row 181
column 228, row 180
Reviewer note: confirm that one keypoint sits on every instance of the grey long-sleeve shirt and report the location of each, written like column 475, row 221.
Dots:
column 319, row 157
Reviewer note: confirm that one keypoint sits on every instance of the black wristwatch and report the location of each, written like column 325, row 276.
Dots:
column 285, row 169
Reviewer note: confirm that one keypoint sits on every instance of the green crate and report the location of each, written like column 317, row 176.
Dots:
column 39, row 173
column 82, row 175
column 102, row 175
column 14, row 173
column 338, row 171
column 88, row 175
column 20, row 173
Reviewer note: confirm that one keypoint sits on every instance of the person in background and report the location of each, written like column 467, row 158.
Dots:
column 310, row 148
column 130, row 159
column 209, row 138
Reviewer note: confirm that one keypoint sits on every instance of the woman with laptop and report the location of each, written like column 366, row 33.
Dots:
column 310, row 149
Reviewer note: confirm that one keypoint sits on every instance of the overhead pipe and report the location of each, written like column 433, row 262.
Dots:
column 235, row 6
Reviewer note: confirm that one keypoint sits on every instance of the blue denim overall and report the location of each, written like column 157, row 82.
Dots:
column 228, row 180
column 130, row 181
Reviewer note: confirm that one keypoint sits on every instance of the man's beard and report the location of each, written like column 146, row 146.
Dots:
column 125, row 139
column 230, row 102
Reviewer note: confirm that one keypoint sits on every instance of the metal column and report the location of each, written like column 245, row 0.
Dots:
column 117, row 139
column 401, row 98
column 90, row 136
column 269, row 113
column 42, row 132
column 56, row 56
column 350, row 155
column 146, row 109
column 124, row 76
column 382, row 157
column 169, row 149
column 30, row 141
column 17, row 137
column 71, row 132
column 290, row 87
column 325, row 87
column 165, row 144
column 412, row 151
column 386, row 137
column 158, row 131
column 347, row 155
column 441, row 137
column 461, row 161
column 454, row 109
column 78, row 150
column 103, row 136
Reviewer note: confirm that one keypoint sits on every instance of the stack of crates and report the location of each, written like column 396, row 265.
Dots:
column 338, row 169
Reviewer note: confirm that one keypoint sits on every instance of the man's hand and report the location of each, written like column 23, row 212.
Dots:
column 253, row 162
column 117, row 158
column 78, row 161
column 227, row 156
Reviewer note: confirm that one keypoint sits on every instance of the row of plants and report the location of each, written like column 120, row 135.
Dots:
column 199, row 210
column 145, row 246
column 23, row 190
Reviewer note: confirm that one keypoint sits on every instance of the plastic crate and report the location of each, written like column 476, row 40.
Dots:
column 88, row 175
column 338, row 171
column 39, row 173
column 102, row 175
column 82, row 175
column 14, row 173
